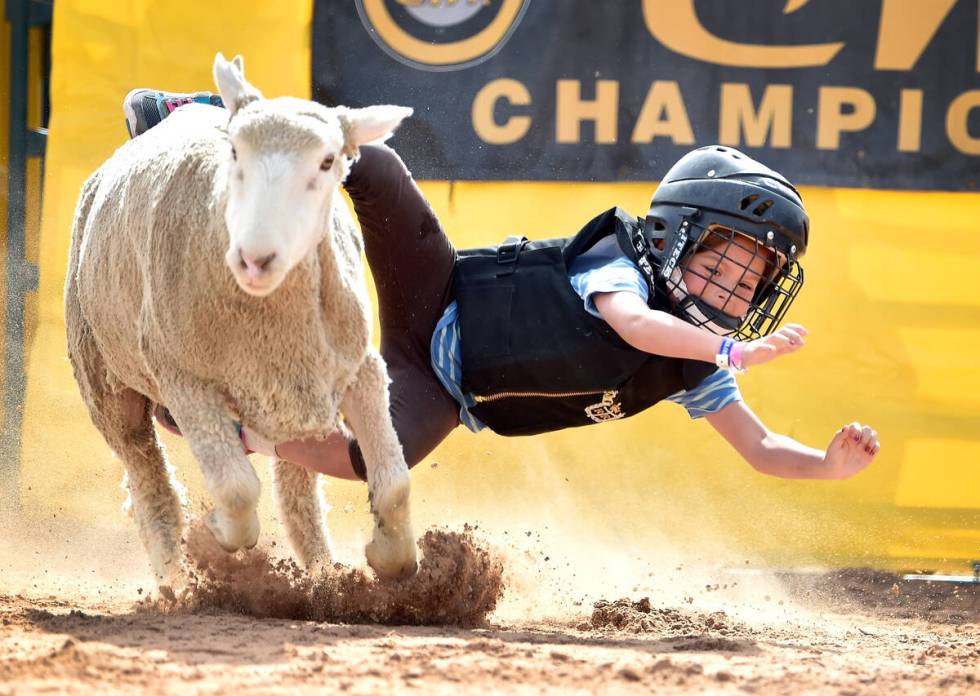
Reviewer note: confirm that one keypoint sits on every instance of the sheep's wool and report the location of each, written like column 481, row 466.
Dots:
column 149, row 274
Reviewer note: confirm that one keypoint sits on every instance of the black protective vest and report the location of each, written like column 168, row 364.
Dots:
column 534, row 358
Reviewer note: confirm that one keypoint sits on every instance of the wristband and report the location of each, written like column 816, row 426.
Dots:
column 735, row 357
column 729, row 355
column 723, row 358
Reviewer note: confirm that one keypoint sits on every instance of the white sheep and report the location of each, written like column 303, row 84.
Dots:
column 215, row 269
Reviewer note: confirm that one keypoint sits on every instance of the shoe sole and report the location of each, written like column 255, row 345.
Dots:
column 134, row 120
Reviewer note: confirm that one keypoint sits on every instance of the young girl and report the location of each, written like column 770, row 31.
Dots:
column 534, row 336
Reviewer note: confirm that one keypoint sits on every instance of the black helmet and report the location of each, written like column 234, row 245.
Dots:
column 716, row 196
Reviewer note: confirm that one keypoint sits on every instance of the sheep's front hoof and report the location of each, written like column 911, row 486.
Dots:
column 233, row 533
column 319, row 565
column 172, row 583
column 391, row 552
column 392, row 557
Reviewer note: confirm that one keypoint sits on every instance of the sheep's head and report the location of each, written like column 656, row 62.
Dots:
column 287, row 158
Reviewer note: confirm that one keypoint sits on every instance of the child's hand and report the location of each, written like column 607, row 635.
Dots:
column 788, row 339
column 852, row 449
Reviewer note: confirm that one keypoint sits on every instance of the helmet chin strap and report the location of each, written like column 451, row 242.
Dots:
column 700, row 312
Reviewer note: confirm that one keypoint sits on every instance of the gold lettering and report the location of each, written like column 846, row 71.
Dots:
column 571, row 110
column 675, row 24
column 910, row 120
column 905, row 29
column 831, row 119
column 515, row 127
column 663, row 113
column 738, row 116
column 957, row 126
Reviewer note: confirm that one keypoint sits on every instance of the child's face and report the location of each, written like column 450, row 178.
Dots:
column 726, row 271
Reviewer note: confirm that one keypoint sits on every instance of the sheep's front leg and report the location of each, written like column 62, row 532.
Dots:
column 392, row 549
column 301, row 511
column 213, row 437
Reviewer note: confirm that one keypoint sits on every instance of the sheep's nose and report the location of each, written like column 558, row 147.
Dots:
column 255, row 265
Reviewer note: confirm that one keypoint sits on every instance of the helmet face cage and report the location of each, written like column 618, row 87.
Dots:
column 732, row 284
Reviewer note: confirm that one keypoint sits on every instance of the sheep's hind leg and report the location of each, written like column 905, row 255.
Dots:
column 301, row 511
column 391, row 551
column 123, row 417
column 156, row 499
column 211, row 433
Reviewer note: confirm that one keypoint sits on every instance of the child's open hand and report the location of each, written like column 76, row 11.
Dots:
column 788, row 339
column 852, row 449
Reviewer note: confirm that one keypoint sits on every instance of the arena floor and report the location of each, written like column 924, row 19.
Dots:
column 252, row 622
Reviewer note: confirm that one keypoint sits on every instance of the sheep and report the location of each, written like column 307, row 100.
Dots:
column 214, row 268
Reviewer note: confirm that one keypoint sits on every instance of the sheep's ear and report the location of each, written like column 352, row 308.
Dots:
column 372, row 123
column 235, row 91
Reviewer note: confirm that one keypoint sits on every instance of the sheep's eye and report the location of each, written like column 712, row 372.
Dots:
column 234, row 153
column 326, row 163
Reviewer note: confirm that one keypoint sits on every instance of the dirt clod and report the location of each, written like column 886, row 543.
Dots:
column 641, row 617
column 458, row 583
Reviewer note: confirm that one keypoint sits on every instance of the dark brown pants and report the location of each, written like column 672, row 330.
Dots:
column 412, row 261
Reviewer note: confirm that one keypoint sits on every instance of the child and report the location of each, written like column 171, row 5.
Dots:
column 534, row 336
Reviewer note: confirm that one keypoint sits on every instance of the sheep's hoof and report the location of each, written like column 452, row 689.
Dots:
column 392, row 556
column 233, row 533
column 391, row 552
column 319, row 564
column 173, row 583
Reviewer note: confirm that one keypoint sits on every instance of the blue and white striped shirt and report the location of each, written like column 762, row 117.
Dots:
column 604, row 268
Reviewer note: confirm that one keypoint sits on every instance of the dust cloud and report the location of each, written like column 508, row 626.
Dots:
column 459, row 582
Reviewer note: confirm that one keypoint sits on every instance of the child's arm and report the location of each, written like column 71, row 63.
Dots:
column 851, row 449
column 657, row 332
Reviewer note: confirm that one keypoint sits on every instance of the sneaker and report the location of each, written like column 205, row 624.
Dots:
column 145, row 108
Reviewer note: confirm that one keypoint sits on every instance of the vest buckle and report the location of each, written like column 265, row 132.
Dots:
column 510, row 249
column 507, row 253
column 607, row 409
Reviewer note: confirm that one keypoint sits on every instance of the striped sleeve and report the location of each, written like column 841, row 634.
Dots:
column 447, row 364
column 617, row 275
column 713, row 394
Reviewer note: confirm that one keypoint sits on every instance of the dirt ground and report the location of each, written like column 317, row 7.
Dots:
column 254, row 622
